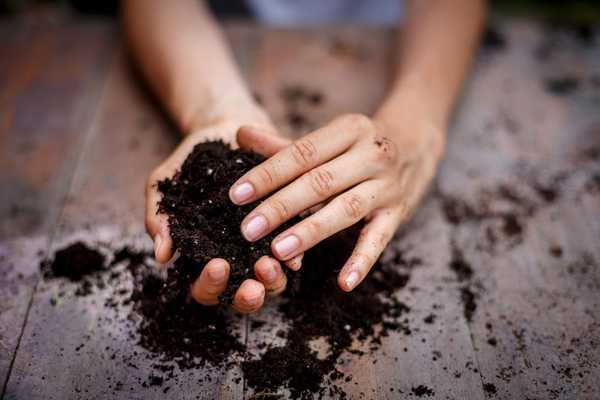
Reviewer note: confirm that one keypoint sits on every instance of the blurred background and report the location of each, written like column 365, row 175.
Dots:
column 577, row 12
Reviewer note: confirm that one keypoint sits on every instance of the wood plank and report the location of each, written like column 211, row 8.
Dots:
column 130, row 137
column 342, row 55
column 536, row 322
column 40, row 137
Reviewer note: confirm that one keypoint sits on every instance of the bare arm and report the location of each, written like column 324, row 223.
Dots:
column 435, row 49
column 398, row 149
column 184, row 56
column 185, row 59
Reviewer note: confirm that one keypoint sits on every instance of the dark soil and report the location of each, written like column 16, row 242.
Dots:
column 490, row 388
column 203, row 222
column 74, row 262
column 493, row 39
column 562, row 86
column 422, row 391
column 318, row 309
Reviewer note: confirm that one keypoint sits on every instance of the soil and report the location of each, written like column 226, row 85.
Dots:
column 493, row 39
column 203, row 222
column 422, row 391
column 74, row 262
column 318, row 309
column 562, row 86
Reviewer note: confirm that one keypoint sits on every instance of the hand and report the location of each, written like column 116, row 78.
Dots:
column 361, row 168
column 213, row 279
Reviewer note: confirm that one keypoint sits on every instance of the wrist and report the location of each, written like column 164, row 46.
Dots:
column 228, row 110
column 412, row 129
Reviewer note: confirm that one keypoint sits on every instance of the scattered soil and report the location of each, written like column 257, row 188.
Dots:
column 493, row 39
column 318, row 309
column 422, row 391
column 562, row 86
column 74, row 262
column 203, row 222
column 490, row 388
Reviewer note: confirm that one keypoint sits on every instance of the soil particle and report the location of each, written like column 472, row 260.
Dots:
column 562, row 86
column 459, row 265
column 422, row 391
column 74, row 262
column 556, row 251
column 490, row 388
column 469, row 302
column 430, row 319
column 493, row 39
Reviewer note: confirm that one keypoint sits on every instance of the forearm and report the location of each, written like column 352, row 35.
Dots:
column 435, row 49
column 184, row 56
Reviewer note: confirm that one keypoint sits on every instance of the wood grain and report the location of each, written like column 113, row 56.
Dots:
column 50, row 78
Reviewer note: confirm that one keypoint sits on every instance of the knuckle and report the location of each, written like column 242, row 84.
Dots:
column 386, row 151
column 321, row 181
column 304, row 152
column 360, row 121
column 314, row 229
column 354, row 206
column 280, row 209
column 363, row 260
column 265, row 176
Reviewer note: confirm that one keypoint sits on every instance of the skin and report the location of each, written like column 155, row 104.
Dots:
column 356, row 167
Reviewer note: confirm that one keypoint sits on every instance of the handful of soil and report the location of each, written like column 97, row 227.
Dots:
column 203, row 222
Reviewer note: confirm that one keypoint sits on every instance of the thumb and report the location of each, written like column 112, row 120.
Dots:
column 261, row 140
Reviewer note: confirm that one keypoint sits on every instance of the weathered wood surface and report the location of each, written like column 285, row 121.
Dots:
column 50, row 78
column 541, row 309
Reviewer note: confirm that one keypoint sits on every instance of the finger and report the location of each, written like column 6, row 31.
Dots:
column 211, row 282
column 295, row 263
column 261, row 141
column 157, row 224
column 302, row 155
column 249, row 297
column 268, row 271
column 342, row 212
column 373, row 239
column 310, row 189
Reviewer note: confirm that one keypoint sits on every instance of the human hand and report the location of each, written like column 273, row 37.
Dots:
column 361, row 168
column 214, row 277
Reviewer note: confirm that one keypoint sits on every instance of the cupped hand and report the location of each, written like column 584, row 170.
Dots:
column 214, row 277
column 353, row 168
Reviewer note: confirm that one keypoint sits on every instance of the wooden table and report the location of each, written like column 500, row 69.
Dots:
column 79, row 135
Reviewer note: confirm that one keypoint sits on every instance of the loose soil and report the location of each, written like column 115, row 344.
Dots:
column 203, row 222
column 180, row 335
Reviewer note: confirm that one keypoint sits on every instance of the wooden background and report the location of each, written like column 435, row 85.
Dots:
column 78, row 136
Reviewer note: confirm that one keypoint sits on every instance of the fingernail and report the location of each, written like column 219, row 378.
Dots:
column 295, row 263
column 351, row 280
column 287, row 246
column 269, row 274
column 216, row 274
column 157, row 244
column 255, row 227
column 252, row 301
column 242, row 192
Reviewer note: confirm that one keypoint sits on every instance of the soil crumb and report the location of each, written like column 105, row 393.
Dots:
column 422, row 391
column 562, row 86
column 74, row 262
column 490, row 388
column 493, row 39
